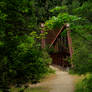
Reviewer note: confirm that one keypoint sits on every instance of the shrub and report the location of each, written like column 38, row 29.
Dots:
column 82, row 55
column 85, row 85
column 23, row 62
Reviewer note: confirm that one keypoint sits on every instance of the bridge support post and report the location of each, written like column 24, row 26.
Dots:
column 69, row 43
column 43, row 39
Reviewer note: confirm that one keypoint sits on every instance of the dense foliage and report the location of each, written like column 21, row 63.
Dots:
column 21, row 58
column 82, row 48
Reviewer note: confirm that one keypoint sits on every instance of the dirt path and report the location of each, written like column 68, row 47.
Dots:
column 61, row 82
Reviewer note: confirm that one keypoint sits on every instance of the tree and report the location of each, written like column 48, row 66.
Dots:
column 18, row 40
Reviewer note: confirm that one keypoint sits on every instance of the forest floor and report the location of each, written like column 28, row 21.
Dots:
column 62, row 81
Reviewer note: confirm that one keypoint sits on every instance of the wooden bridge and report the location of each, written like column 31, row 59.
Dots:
column 62, row 45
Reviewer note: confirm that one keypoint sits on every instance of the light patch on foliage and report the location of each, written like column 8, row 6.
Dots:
column 61, row 19
column 59, row 8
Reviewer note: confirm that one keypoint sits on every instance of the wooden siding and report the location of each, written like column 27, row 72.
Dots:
column 62, row 46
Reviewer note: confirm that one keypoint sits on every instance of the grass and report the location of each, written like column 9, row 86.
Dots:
column 37, row 89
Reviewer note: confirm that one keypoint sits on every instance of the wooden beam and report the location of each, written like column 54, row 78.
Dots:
column 69, row 43
column 43, row 39
column 61, row 30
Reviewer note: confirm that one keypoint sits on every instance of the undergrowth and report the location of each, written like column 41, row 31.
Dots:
column 85, row 84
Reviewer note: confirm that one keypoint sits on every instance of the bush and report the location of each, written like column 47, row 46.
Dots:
column 81, row 61
column 85, row 85
column 23, row 62
column 82, row 54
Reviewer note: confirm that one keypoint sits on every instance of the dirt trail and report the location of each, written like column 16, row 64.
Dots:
column 62, row 82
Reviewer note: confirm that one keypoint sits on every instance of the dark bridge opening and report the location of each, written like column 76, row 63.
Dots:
column 60, row 54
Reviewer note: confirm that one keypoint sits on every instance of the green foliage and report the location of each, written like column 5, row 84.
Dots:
column 24, row 63
column 85, row 10
column 81, row 59
column 82, row 45
column 84, row 85
column 60, row 20
column 59, row 9
column 21, row 58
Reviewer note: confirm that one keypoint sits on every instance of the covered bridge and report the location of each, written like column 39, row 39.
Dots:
column 61, row 46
